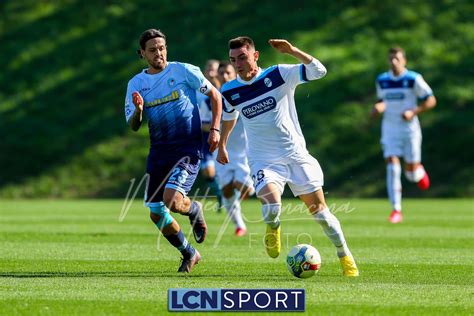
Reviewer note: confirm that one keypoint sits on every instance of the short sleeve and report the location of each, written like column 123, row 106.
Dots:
column 196, row 79
column 422, row 89
column 378, row 90
column 228, row 112
column 129, row 106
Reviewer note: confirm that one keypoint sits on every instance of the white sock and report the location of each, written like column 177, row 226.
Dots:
column 232, row 205
column 394, row 185
column 271, row 214
column 332, row 229
column 415, row 176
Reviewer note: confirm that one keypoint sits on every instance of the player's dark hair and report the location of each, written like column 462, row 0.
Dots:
column 224, row 64
column 211, row 61
column 397, row 49
column 241, row 41
column 148, row 35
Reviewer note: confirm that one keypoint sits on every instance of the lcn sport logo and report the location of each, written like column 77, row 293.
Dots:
column 191, row 300
column 255, row 109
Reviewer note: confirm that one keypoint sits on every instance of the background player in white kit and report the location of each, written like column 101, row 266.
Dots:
column 277, row 149
column 234, row 177
column 398, row 91
column 208, row 169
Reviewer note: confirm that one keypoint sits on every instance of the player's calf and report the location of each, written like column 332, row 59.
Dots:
column 196, row 218
column 419, row 176
column 271, row 217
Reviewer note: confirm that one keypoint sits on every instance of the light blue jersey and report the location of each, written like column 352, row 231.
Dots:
column 171, row 108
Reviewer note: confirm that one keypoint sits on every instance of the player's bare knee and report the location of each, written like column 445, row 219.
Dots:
column 154, row 218
column 269, row 194
column 228, row 190
column 173, row 206
column 411, row 166
column 392, row 160
column 317, row 207
column 172, row 199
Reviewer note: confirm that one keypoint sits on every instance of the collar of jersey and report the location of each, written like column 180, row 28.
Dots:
column 393, row 77
column 144, row 71
column 251, row 80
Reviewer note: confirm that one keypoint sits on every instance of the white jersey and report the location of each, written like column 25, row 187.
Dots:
column 237, row 142
column 399, row 95
column 205, row 108
column 267, row 107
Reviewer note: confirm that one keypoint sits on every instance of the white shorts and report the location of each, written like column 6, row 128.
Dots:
column 207, row 163
column 303, row 174
column 406, row 146
column 236, row 170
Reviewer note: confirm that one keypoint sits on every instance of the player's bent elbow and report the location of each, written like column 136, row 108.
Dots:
column 134, row 127
column 323, row 71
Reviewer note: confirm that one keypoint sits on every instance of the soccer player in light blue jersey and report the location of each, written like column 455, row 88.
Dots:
column 165, row 93
column 402, row 95
column 264, row 100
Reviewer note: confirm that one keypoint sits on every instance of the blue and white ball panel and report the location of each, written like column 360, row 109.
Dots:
column 294, row 261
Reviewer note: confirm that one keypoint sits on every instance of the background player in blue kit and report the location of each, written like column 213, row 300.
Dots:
column 398, row 92
column 165, row 93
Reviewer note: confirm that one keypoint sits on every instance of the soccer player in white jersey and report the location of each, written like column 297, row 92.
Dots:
column 165, row 93
column 277, row 152
column 234, row 177
column 398, row 92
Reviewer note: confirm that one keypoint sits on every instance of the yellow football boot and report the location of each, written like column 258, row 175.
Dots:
column 349, row 267
column 272, row 241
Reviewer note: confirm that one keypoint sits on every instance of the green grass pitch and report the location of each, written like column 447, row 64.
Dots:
column 76, row 257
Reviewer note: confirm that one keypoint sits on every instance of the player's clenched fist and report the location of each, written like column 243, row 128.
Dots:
column 222, row 156
column 213, row 140
column 408, row 115
column 137, row 101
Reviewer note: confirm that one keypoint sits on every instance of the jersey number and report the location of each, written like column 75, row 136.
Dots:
column 258, row 177
column 179, row 175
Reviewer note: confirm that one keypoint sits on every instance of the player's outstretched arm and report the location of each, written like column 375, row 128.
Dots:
column 216, row 104
column 227, row 127
column 136, row 120
column 315, row 69
column 285, row 47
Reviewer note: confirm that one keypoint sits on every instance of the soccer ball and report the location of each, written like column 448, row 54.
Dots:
column 303, row 261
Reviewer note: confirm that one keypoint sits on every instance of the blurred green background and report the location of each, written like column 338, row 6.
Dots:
column 65, row 66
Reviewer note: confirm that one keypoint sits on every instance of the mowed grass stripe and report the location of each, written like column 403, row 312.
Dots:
column 76, row 257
